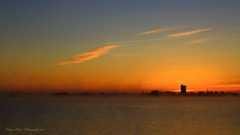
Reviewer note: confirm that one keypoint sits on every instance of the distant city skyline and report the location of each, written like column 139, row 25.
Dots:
column 126, row 46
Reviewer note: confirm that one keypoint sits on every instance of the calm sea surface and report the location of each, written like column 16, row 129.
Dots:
column 123, row 116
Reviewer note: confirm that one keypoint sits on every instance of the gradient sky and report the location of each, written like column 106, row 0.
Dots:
column 119, row 45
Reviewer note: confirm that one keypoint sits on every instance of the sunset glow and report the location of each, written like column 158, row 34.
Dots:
column 119, row 46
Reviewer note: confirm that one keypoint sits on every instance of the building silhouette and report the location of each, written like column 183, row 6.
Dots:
column 183, row 89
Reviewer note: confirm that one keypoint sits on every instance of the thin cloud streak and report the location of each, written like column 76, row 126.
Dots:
column 89, row 55
column 127, row 55
column 154, row 31
column 188, row 33
column 133, row 41
column 201, row 40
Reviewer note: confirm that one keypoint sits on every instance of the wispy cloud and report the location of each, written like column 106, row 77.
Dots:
column 127, row 55
column 154, row 31
column 133, row 41
column 188, row 33
column 89, row 55
column 201, row 40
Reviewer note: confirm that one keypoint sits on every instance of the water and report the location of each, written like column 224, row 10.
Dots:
column 123, row 116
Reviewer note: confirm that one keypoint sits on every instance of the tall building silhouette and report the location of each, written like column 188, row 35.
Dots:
column 183, row 89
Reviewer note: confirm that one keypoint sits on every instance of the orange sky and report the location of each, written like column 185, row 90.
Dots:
column 88, row 47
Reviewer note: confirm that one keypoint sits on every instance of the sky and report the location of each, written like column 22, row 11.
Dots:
column 119, row 46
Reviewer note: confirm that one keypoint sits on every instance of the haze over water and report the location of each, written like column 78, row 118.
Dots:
column 153, row 115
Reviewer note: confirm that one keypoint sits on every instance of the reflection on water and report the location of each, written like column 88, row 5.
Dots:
column 77, row 115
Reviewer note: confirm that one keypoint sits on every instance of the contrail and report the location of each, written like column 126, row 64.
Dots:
column 154, row 31
column 188, row 33
column 133, row 41
column 121, row 42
